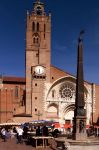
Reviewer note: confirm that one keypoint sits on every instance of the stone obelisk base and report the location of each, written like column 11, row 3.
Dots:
column 79, row 129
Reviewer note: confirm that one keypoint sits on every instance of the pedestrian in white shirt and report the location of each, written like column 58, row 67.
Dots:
column 19, row 134
column 4, row 134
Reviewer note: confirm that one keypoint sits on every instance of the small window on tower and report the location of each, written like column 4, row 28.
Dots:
column 37, row 55
column 37, row 40
column 34, row 40
column 44, row 35
column 37, row 26
column 35, row 109
column 52, row 77
column 44, row 28
column 33, row 26
column 35, row 84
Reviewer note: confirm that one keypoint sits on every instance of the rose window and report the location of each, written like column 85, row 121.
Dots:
column 66, row 91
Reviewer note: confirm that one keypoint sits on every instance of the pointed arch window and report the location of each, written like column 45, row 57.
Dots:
column 34, row 40
column 44, row 35
column 33, row 26
column 37, row 26
column 37, row 40
column 53, row 93
column 44, row 27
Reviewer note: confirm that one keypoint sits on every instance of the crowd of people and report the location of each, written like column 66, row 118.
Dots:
column 7, row 133
column 21, row 132
column 25, row 132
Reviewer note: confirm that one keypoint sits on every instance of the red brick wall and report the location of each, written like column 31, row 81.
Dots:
column 9, row 102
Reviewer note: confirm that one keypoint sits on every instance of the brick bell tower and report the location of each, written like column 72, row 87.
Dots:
column 38, row 32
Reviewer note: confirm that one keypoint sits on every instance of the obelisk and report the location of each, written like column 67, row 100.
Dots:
column 79, row 121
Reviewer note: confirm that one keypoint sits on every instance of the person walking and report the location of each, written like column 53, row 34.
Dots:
column 4, row 134
column 19, row 135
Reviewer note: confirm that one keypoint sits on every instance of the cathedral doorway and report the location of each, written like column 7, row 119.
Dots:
column 69, row 114
column 69, row 117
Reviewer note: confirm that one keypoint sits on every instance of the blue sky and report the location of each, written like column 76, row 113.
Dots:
column 69, row 17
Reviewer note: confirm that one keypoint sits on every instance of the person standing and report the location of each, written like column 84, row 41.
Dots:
column 4, row 134
column 19, row 134
column 45, row 131
column 38, row 131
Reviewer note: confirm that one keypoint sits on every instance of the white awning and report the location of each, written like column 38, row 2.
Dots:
column 9, row 123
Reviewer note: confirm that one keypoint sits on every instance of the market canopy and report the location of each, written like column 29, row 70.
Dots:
column 58, row 125
column 39, row 122
column 10, row 124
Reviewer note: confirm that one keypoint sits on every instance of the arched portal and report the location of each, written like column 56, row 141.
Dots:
column 69, row 114
column 52, row 111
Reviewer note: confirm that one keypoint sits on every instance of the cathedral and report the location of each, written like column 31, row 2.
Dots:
column 47, row 92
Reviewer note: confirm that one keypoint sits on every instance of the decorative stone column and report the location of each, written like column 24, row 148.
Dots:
column 79, row 121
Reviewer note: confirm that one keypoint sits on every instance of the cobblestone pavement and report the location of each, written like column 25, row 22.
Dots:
column 91, row 143
column 11, row 144
column 91, row 147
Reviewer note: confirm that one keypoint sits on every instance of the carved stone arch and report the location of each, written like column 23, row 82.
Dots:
column 52, row 110
column 65, row 79
column 68, row 112
column 53, row 104
column 68, row 108
column 36, row 35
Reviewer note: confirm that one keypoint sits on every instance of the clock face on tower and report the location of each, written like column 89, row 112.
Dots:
column 40, row 70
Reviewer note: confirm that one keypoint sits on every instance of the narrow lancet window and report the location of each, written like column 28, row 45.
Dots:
column 33, row 26
column 37, row 26
column 44, row 28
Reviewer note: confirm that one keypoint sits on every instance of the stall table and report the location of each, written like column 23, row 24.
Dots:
column 44, row 140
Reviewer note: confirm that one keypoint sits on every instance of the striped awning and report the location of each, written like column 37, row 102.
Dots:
column 10, row 123
column 40, row 122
